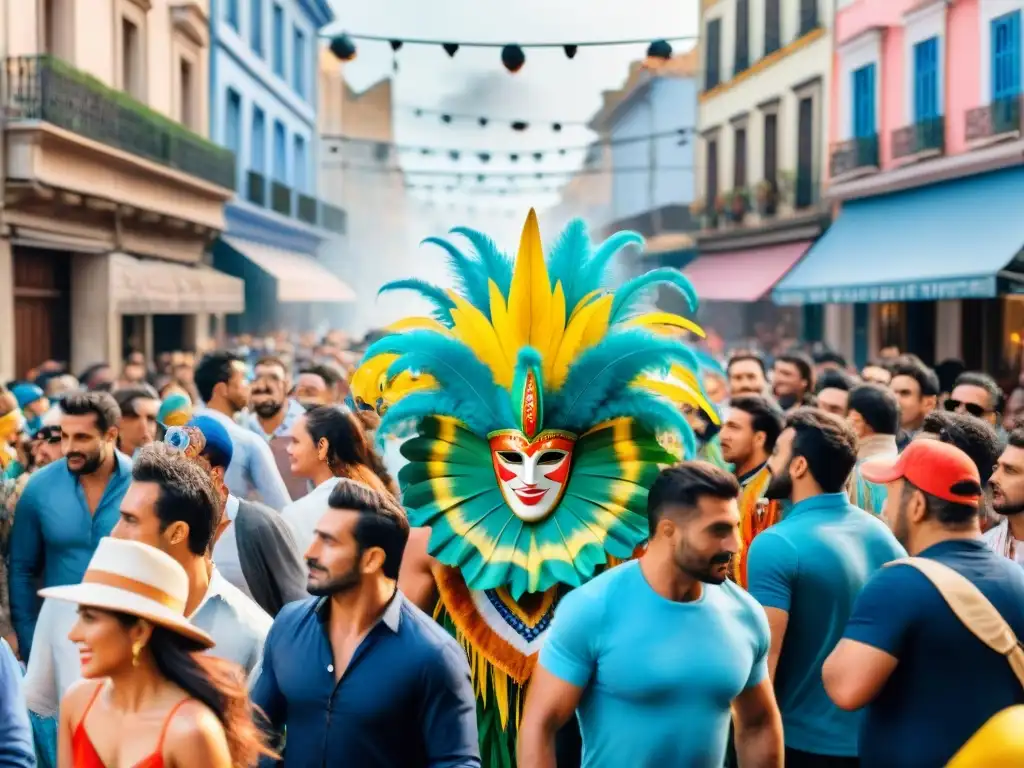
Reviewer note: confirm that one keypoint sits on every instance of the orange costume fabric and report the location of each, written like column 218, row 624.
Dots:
column 752, row 519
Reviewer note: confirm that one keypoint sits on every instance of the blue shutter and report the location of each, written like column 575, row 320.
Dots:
column 864, row 102
column 926, row 80
column 1006, row 56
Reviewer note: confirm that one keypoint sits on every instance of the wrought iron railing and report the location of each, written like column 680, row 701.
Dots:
column 306, row 209
column 256, row 189
column 281, row 198
column 1000, row 117
column 922, row 136
column 856, row 153
column 333, row 218
column 47, row 89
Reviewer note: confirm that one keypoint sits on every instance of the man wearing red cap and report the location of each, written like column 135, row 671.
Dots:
column 927, row 682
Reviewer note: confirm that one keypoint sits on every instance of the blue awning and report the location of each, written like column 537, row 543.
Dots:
column 954, row 240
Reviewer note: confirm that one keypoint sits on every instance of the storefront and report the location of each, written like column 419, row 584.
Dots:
column 937, row 271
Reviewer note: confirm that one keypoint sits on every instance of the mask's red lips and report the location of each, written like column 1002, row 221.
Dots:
column 530, row 496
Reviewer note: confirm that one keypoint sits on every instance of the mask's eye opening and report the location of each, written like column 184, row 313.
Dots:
column 511, row 457
column 550, row 457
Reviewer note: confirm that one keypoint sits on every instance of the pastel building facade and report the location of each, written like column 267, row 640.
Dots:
column 925, row 170
column 264, row 101
column 112, row 192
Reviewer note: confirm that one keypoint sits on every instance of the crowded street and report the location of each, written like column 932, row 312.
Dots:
column 330, row 439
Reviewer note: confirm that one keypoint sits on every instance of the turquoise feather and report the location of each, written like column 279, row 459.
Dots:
column 436, row 296
column 597, row 265
column 497, row 265
column 636, row 290
column 567, row 260
column 605, row 370
column 654, row 413
column 470, row 280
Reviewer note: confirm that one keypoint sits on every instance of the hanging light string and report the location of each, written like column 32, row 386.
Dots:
column 510, row 175
column 513, row 55
column 485, row 155
column 484, row 120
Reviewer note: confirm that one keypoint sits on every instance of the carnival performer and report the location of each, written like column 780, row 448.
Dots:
column 140, row 660
column 533, row 401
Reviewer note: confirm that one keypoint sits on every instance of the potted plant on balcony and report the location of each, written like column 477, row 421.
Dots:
column 766, row 194
column 699, row 212
column 739, row 204
column 786, row 185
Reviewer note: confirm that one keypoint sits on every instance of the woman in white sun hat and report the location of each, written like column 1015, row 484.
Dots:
column 149, row 698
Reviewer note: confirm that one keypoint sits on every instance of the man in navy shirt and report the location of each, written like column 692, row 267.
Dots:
column 358, row 675
column 928, row 684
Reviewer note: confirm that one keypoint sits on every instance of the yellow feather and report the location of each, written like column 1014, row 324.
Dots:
column 368, row 379
column 678, row 393
column 406, row 383
column 529, row 297
column 472, row 328
column 557, row 332
column 583, row 302
column 666, row 319
column 501, row 322
column 417, row 324
column 597, row 326
column 572, row 339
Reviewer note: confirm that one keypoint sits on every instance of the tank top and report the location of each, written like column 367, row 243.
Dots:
column 84, row 754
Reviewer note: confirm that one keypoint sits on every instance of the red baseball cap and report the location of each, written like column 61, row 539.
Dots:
column 933, row 467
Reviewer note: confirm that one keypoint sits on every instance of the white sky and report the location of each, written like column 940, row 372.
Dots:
column 548, row 88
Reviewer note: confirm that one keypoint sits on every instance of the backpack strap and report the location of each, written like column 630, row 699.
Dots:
column 973, row 609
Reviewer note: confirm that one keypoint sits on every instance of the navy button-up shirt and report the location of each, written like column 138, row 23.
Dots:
column 405, row 700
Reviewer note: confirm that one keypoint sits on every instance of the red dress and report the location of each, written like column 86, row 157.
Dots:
column 84, row 755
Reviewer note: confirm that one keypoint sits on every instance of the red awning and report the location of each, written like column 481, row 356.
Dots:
column 743, row 275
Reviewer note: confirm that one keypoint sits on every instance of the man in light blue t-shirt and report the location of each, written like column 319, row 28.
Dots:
column 652, row 653
column 806, row 570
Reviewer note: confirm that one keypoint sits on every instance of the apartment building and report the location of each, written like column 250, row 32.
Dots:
column 762, row 120
column 926, row 162
column 111, row 190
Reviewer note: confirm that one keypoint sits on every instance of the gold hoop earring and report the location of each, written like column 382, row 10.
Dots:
column 137, row 647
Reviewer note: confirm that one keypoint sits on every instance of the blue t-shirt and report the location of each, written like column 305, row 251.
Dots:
column 659, row 675
column 812, row 564
column 947, row 682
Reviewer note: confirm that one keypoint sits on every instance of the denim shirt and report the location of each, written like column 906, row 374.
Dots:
column 54, row 536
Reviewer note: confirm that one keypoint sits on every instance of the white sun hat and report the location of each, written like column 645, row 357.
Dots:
column 136, row 579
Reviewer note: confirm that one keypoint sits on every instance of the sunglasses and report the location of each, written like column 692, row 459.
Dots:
column 972, row 408
column 51, row 436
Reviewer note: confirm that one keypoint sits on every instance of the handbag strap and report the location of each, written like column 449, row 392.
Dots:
column 973, row 609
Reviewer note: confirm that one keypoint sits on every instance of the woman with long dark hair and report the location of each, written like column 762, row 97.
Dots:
column 149, row 697
column 327, row 443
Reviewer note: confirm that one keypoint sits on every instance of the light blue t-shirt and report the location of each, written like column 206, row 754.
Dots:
column 659, row 675
column 812, row 564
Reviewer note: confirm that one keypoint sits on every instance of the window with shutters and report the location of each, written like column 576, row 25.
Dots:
column 771, row 147
column 741, row 61
column 712, row 54
column 808, row 16
column 739, row 158
column 804, row 192
column 772, row 26
column 864, row 102
column 711, row 169
column 1006, row 56
column 926, row 80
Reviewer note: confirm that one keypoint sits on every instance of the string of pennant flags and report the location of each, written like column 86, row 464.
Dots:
column 513, row 55
column 336, row 141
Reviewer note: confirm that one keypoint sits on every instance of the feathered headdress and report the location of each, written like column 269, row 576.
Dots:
column 538, row 396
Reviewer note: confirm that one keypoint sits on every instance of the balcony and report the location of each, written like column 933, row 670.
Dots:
column 256, row 188
column 926, row 138
column 306, row 209
column 281, row 198
column 43, row 88
column 855, row 156
column 998, row 120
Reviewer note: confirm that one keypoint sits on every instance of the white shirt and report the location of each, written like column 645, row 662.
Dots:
column 303, row 515
column 999, row 541
column 225, row 551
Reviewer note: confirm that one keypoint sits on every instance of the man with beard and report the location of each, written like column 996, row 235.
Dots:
column 748, row 437
column 139, row 404
column 318, row 385
column 806, row 570
column 1007, row 487
column 747, row 375
column 224, row 388
column 273, row 415
column 926, row 682
column 613, row 656
column 401, row 687
column 916, row 386
column 67, row 507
